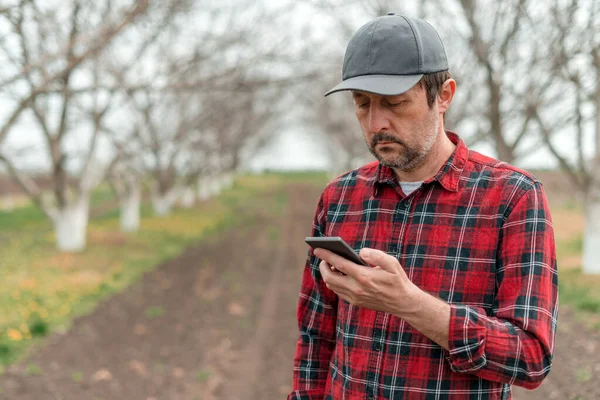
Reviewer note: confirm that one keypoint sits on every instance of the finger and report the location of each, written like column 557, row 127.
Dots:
column 324, row 267
column 333, row 280
column 342, row 264
column 378, row 258
column 325, row 273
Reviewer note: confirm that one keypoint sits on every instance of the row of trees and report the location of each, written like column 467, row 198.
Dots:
column 176, row 92
column 169, row 93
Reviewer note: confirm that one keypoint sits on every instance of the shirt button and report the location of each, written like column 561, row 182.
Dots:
column 377, row 347
column 370, row 396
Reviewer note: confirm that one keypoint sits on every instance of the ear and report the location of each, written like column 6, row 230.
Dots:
column 446, row 95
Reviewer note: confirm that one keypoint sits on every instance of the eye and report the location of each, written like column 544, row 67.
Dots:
column 363, row 105
column 394, row 105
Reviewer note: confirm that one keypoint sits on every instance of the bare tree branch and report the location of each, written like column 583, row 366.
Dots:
column 28, row 186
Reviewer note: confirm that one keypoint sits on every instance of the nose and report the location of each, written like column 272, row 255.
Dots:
column 378, row 120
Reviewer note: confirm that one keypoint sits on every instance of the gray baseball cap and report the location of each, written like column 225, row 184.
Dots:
column 390, row 54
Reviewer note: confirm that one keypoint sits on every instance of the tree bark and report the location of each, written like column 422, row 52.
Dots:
column 203, row 189
column 505, row 152
column 162, row 203
column 130, row 209
column 215, row 185
column 591, row 239
column 70, row 226
column 188, row 197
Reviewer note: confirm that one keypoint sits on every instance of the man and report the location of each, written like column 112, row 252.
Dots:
column 460, row 299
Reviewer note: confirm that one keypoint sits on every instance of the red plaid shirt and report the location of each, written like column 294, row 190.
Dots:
column 479, row 236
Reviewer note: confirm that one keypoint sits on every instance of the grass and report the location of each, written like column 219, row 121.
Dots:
column 43, row 290
column 33, row 370
column 583, row 375
column 77, row 376
column 154, row 312
column 202, row 376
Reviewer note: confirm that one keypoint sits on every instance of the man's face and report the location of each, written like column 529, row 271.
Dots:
column 400, row 131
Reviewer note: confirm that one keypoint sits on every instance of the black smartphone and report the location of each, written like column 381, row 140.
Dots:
column 336, row 245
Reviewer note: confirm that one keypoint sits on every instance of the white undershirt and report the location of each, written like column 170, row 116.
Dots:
column 409, row 187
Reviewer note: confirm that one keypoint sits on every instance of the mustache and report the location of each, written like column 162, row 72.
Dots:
column 385, row 137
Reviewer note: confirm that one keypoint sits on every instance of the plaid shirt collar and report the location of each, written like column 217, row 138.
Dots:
column 447, row 176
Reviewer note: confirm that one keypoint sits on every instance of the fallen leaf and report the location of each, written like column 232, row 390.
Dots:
column 236, row 309
column 102, row 375
column 138, row 367
column 140, row 329
column 211, row 294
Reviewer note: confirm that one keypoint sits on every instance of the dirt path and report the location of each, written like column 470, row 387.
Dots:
column 576, row 367
column 265, row 367
column 218, row 323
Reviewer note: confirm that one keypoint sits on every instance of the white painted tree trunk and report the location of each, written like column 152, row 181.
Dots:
column 188, row 197
column 215, row 186
column 229, row 180
column 222, row 182
column 591, row 239
column 70, row 226
column 130, row 209
column 203, row 189
column 162, row 204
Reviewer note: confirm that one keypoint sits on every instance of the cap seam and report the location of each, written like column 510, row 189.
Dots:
column 416, row 43
column 370, row 42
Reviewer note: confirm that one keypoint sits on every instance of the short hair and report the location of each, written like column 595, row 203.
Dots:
column 432, row 83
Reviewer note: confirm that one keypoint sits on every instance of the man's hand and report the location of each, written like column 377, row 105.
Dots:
column 385, row 287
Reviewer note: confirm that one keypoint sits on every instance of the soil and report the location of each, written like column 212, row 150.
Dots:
column 218, row 322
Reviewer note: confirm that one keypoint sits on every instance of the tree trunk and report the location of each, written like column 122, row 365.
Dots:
column 597, row 130
column 162, row 203
column 188, row 197
column 70, row 225
column 130, row 209
column 505, row 152
column 215, row 185
column 229, row 180
column 591, row 239
column 203, row 189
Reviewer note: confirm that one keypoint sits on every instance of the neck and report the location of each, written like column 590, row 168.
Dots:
column 437, row 157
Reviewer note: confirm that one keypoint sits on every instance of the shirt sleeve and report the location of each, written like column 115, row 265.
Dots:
column 515, row 344
column 317, row 315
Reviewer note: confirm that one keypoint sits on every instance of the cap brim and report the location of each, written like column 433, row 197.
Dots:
column 386, row 85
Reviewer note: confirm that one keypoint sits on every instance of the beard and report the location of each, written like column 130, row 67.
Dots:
column 409, row 156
